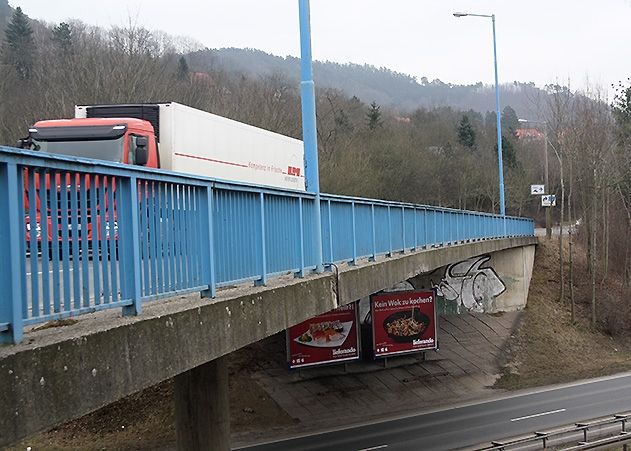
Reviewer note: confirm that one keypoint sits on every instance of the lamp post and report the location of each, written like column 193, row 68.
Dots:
column 309, row 136
column 497, row 108
column 545, row 165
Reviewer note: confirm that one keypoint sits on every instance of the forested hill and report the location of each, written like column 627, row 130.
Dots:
column 370, row 83
column 5, row 13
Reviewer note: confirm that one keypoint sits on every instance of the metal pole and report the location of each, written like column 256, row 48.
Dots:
column 499, row 124
column 307, row 94
column 545, row 156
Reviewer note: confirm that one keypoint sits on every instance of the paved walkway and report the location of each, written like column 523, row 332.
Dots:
column 465, row 368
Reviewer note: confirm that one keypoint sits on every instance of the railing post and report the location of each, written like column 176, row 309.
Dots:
column 443, row 228
column 389, row 233
column 301, row 247
column 403, row 228
column 374, row 236
column 206, row 210
column 129, row 244
column 12, row 234
column 435, row 214
column 330, row 232
column 354, row 261
column 415, row 230
column 425, row 227
column 263, row 251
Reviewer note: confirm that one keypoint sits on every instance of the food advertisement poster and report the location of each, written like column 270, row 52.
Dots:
column 327, row 338
column 403, row 322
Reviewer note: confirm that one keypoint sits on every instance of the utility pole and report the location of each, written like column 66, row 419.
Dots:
column 546, row 180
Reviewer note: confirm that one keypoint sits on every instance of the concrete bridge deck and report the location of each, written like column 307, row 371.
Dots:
column 58, row 374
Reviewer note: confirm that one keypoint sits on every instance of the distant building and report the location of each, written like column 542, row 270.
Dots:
column 529, row 134
column 403, row 120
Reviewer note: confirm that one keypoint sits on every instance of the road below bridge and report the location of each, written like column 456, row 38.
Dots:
column 466, row 425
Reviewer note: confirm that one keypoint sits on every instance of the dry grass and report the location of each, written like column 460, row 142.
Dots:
column 548, row 348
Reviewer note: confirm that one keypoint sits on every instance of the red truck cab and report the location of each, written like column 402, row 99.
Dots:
column 120, row 140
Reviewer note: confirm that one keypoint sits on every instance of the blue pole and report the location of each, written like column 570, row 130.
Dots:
column 499, row 124
column 307, row 94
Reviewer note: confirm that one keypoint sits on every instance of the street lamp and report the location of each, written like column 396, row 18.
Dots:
column 309, row 135
column 497, row 108
column 545, row 172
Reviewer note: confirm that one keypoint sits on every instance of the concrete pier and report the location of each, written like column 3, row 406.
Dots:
column 202, row 411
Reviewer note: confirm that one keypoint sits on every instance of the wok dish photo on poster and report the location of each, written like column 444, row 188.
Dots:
column 406, row 326
column 325, row 334
column 403, row 322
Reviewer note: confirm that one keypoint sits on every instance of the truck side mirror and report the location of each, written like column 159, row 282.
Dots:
column 24, row 143
column 142, row 150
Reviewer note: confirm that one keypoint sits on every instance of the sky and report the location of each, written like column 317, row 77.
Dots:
column 579, row 42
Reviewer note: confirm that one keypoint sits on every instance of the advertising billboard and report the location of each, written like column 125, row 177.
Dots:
column 403, row 322
column 328, row 338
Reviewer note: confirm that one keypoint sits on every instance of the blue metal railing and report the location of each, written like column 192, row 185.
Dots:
column 82, row 235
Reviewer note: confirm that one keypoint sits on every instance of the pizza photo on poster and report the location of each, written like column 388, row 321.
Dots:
column 403, row 322
column 328, row 338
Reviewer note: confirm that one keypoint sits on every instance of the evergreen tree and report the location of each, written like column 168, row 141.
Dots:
column 182, row 69
column 19, row 47
column 510, row 121
column 373, row 116
column 62, row 38
column 509, row 155
column 466, row 133
column 621, row 108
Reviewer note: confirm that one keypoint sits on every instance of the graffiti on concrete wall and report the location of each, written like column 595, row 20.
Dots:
column 469, row 285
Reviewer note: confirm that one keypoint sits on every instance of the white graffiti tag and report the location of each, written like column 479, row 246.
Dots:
column 470, row 286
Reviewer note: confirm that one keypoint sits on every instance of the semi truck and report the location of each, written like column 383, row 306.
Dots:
column 175, row 137
column 159, row 135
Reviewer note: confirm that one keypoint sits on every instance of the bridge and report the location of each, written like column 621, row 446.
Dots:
column 127, row 250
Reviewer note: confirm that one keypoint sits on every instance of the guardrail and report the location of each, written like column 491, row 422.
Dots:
column 605, row 432
column 83, row 235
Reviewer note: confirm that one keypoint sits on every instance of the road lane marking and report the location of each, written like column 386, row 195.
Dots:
column 39, row 273
column 538, row 415
column 373, row 448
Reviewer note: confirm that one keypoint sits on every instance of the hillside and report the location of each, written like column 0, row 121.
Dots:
column 368, row 83
column 5, row 14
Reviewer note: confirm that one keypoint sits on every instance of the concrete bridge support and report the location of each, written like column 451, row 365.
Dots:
column 202, row 412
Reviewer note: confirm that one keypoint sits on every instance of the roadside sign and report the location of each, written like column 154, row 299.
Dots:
column 403, row 322
column 328, row 338
column 548, row 200
column 537, row 189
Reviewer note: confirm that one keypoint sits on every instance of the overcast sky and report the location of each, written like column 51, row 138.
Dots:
column 538, row 40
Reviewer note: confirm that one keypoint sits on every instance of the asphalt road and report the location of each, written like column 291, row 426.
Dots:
column 458, row 427
column 37, row 277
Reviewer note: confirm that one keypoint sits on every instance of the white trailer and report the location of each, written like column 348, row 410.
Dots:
column 196, row 142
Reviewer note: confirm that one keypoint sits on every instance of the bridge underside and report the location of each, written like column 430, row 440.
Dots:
column 58, row 374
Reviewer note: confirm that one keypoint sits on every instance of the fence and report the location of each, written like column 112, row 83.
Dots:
column 82, row 235
column 601, row 433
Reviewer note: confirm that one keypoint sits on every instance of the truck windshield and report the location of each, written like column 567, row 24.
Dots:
column 106, row 149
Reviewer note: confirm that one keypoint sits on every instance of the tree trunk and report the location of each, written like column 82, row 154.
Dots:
column 571, row 221
column 561, row 274
column 592, row 248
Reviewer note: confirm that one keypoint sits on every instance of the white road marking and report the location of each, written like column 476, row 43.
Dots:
column 39, row 273
column 538, row 415
column 373, row 448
